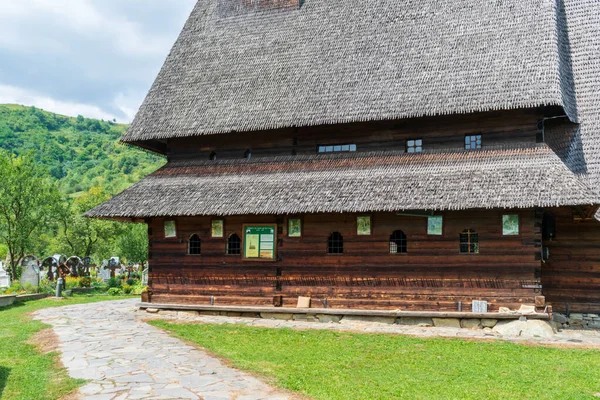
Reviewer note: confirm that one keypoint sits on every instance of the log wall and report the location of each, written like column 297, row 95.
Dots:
column 501, row 128
column 432, row 275
column 571, row 275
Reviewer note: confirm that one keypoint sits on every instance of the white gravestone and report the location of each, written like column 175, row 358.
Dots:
column 145, row 277
column 4, row 278
column 103, row 272
column 31, row 274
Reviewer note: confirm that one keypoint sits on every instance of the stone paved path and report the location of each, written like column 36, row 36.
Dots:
column 128, row 359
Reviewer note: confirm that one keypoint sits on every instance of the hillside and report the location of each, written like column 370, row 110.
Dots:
column 79, row 152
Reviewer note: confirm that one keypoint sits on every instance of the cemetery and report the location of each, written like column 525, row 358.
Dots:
column 39, row 278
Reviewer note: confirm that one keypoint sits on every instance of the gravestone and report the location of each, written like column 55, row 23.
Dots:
column 104, row 272
column 31, row 274
column 145, row 277
column 4, row 278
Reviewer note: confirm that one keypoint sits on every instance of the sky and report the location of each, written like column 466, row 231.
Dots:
column 96, row 58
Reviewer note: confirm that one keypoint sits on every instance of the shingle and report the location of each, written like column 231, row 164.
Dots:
column 333, row 61
column 364, row 182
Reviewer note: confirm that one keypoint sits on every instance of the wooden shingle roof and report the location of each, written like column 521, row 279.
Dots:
column 334, row 61
column 363, row 182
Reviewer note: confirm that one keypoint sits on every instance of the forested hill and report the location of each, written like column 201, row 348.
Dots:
column 79, row 152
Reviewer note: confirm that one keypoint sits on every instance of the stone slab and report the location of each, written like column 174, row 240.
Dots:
column 446, row 322
column 281, row 316
column 415, row 321
column 358, row 318
column 488, row 322
column 471, row 323
column 529, row 328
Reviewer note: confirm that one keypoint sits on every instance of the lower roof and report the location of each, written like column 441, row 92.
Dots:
column 362, row 182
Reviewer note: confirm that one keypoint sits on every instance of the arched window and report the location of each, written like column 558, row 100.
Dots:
column 234, row 245
column 397, row 242
column 194, row 245
column 469, row 241
column 335, row 243
column 248, row 154
column 213, row 156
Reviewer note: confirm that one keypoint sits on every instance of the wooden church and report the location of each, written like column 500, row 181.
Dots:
column 411, row 155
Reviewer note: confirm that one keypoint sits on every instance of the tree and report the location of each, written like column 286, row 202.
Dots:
column 133, row 244
column 85, row 236
column 29, row 202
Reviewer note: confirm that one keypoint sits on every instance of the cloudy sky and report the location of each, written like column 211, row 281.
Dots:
column 97, row 58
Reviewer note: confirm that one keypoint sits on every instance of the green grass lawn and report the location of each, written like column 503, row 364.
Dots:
column 26, row 373
column 333, row 365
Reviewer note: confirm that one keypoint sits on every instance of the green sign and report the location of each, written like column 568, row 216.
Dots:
column 259, row 242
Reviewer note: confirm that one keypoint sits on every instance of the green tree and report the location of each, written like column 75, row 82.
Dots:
column 133, row 244
column 85, row 236
column 29, row 203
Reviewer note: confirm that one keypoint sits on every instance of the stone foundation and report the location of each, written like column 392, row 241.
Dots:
column 468, row 323
column 576, row 321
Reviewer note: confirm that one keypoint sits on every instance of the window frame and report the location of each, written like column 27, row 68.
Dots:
column 329, row 238
column 175, row 236
column 518, row 225
column 470, row 232
column 331, row 148
column 189, row 242
column 415, row 146
column 403, row 237
column 478, row 138
column 227, row 253
column 223, row 234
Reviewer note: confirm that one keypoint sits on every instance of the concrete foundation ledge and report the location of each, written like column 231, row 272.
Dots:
column 7, row 300
column 29, row 297
column 467, row 320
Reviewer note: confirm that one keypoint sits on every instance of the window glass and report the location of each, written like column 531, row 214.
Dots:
column 472, row 142
column 335, row 243
column 469, row 241
column 435, row 225
column 414, row 146
column 397, row 242
column 510, row 225
column 170, row 229
column 336, row 148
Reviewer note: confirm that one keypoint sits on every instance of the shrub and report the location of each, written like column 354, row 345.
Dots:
column 15, row 288
column 71, row 282
column 114, row 291
column 121, row 276
column 138, row 289
column 97, row 282
column 127, row 289
column 130, row 282
column 29, row 288
column 136, row 275
column 85, row 282
column 114, row 283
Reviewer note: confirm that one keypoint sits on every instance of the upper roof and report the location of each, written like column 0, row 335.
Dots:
column 361, row 182
column 333, row 61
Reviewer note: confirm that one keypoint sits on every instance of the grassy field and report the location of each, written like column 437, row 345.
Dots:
column 26, row 373
column 333, row 365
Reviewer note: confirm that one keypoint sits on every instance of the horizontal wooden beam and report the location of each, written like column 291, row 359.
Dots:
column 337, row 311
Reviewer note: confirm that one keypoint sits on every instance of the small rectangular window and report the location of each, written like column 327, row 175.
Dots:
column 510, row 225
column 414, row 146
column 216, row 228
column 295, row 227
column 363, row 225
column 170, row 229
column 337, row 148
column 435, row 225
column 472, row 142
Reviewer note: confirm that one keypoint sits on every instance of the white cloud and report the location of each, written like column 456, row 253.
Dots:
column 15, row 95
column 80, row 17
